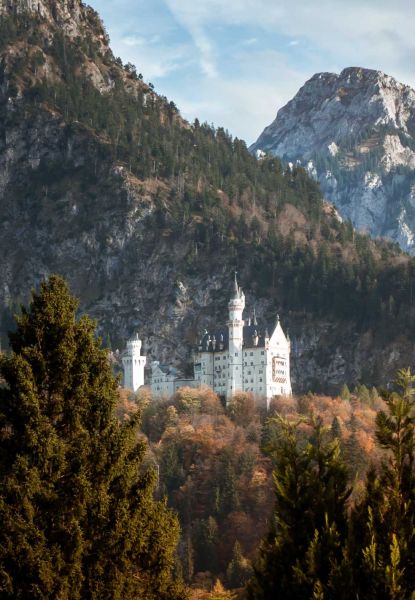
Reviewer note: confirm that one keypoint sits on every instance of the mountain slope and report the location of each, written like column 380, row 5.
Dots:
column 355, row 132
column 147, row 215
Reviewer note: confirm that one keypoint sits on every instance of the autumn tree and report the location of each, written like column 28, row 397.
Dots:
column 242, row 409
column 78, row 518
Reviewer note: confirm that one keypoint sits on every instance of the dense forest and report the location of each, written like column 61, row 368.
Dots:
column 313, row 499
column 209, row 192
column 215, row 466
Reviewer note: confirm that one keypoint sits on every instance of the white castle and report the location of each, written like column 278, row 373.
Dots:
column 133, row 364
column 241, row 357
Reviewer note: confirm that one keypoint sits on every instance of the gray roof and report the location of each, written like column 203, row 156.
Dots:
column 250, row 332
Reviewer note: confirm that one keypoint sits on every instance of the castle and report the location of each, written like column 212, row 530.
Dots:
column 241, row 357
column 133, row 364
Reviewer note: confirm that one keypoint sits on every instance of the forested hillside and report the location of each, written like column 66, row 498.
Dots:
column 215, row 467
column 147, row 215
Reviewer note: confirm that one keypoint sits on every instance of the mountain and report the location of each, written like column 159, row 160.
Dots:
column 355, row 133
column 147, row 215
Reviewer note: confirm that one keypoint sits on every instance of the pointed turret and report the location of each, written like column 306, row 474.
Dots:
column 237, row 292
column 236, row 287
column 235, row 327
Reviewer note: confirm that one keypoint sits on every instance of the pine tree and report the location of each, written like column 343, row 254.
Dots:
column 78, row 518
column 345, row 393
column 383, row 543
column 239, row 569
column 303, row 552
column 364, row 394
column 336, row 430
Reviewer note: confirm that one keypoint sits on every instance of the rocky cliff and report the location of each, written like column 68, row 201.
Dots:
column 147, row 216
column 355, row 133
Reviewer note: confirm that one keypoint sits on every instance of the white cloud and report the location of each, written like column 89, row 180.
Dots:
column 352, row 31
column 131, row 40
column 243, row 88
column 246, row 104
column 250, row 41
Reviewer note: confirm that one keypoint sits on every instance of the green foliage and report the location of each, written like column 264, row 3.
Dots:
column 304, row 550
column 384, row 522
column 78, row 515
column 345, row 392
column 314, row 549
column 205, row 543
column 239, row 569
column 335, row 430
column 220, row 202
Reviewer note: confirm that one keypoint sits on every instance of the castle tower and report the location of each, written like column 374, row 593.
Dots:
column 278, row 364
column 133, row 364
column 235, row 326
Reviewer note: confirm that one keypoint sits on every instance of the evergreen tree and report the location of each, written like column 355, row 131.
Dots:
column 374, row 396
column 383, row 540
column 239, row 569
column 303, row 553
column 345, row 393
column 336, row 430
column 364, row 394
column 78, row 518
column 205, row 544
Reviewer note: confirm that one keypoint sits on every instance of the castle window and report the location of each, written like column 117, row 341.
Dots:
column 260, row 379
column 262, row 352
column 252, row 353
column 236, row 354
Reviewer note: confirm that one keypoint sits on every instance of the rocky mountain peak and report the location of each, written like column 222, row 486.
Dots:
column 331, row 107
column 355, row 132
column 146, row 216
column 73, row 17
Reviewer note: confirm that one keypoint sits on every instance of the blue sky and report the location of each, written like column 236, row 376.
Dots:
column 233, row 63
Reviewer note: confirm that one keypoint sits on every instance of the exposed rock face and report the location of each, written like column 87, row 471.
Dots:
column 355, row 133
column 72, row 16
column 69, row 205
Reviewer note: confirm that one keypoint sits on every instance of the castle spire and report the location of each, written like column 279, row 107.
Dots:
column 255, row 322
column 236, row 287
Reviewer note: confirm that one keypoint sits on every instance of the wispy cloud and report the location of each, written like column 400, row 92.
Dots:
column 236, row 62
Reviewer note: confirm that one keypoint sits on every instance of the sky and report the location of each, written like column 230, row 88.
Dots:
column 234, row 63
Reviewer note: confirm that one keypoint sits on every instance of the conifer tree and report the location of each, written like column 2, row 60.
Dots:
column 336, row 430
column 239, row 569
column 78, row 518
column 345, row 392
column 304, row 551
column 383, row 540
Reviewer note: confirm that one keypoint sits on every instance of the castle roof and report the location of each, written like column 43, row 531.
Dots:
column 221, row 337
column 169, row 370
